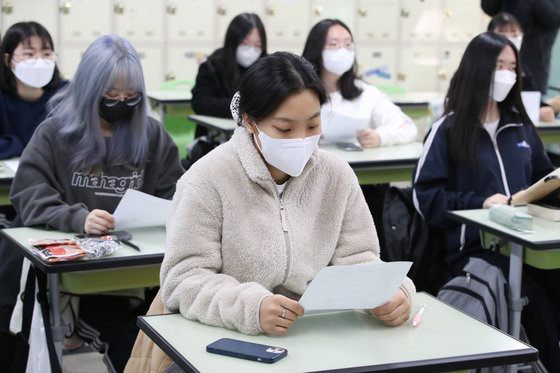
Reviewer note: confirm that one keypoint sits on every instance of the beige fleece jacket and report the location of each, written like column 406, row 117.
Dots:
column 231, row 240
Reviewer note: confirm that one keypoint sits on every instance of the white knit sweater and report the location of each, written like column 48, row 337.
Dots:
column 231, row 240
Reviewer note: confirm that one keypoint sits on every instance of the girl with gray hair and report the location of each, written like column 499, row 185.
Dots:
column 96, row 143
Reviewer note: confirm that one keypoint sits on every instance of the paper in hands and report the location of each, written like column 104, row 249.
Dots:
column 337, row 127
column 361, row 286
column 138, row 209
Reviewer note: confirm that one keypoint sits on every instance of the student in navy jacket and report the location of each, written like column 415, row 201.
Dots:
column 483, row 150
column 28, row 78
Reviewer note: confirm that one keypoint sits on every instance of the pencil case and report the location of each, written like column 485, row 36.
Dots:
column 511, row 217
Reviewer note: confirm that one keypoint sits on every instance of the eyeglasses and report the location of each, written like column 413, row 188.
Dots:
column 31, row 57
column 132, row 100
column 336, row 44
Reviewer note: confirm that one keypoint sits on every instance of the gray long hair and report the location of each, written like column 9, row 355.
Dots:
column 76, row 107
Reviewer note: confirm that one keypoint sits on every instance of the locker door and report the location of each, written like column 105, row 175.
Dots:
column 449, row 62
column 45, row 12
column 287, row 22
column 152, row 66
column 68, row 60
column 342, row 10
column 183, row 62
column 378, row 20
column 377, row 65
column 226, row 10
column 463, row 20
column 139, row 20
column 421, row 20
column 418, row 68
column 85, row 20
column 190, row 20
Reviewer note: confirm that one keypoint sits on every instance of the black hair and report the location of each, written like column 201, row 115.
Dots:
column 270, row 80
column 469, row 92
column 238, row 29
column 313, row 50
column 21, row 33
column 503, row 19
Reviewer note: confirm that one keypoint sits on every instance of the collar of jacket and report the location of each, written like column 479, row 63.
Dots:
column 253, row 163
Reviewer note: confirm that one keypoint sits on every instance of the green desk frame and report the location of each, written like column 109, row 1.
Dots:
column 122, row 270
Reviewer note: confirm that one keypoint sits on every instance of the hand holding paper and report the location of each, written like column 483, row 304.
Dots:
column 138, row 209
column 361, row 286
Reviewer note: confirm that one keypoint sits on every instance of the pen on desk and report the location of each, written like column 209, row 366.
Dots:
column 127, row 242
column 416, row 320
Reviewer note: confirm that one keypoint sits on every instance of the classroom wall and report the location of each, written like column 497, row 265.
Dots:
column 414, row 45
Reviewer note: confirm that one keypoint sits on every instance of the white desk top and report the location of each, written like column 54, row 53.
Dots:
column 446, row 338
column 390, row 156
column 415, row 98
column 170, row 96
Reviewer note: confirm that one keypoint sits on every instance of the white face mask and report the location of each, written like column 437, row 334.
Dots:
column 287, row 155
column 504, row 80
column 36, row 72
column 516, row 40
column 338, row 61
column 246, row 55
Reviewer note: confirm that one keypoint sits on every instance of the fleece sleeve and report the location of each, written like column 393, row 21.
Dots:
column 392, row 125
column 190, row 278
column 35, row 191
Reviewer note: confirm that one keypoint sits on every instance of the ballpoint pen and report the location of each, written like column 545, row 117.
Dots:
column 128, row 243
column 416, row 320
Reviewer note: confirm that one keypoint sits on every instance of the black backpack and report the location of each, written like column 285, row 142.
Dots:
column 408, row 237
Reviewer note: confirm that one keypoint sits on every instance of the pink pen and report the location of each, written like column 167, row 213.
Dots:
column 416, row 320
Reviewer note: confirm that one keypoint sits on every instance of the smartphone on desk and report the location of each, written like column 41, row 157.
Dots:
column 349, row 146
column 247, row 350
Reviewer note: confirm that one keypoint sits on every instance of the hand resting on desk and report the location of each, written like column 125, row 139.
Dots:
column 369, row 138
column 395, row 312
column 272, row 317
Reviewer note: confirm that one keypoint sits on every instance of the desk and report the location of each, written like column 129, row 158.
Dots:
column 124, row 269
column 415, row 98
column 223, row 126
column 353, row 341
column 540, row 249
column 169, row 98
column 549, row 132
column 384, row 164
column 6, row 177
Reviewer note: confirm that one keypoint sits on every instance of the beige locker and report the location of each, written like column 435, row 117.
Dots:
column 377, row 21
column 287, row 22
column 139, row 20
column 45, row 12
column 377, row 65
column 421, row 20
column 152, row 65
column 342, row 10
column 183, row 61
column 226, row 10
column 84, row 21
column 449, row 62
column 190, row 20
column 462, row 23
column 418, row 68
column 69, row 58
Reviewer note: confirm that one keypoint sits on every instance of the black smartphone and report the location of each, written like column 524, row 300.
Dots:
column 247, row 350
column 349, row 146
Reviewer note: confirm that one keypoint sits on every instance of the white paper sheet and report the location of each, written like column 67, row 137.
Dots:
column 362, row 286
column 12, row 164
column 532, row 102
column 138, row 209
column 339, row 128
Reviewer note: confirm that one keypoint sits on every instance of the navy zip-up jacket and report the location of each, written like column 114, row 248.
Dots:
column 513, row 160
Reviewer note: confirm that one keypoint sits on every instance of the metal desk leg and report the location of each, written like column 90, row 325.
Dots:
column 515, row 301
column 57, row 330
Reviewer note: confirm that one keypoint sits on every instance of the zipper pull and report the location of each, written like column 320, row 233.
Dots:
column 283, row 218
column 468, row 278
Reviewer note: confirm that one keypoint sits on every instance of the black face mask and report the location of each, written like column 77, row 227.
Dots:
column 120, row 111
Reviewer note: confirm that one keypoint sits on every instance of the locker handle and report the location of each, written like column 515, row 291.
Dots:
column 270, row 11
column 7, row 7
column 171, row 8
column 64, row 7
column 118, row 8
column 362, row 12
column 222, row 9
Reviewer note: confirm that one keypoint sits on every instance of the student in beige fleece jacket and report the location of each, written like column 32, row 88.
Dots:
column 257, row 218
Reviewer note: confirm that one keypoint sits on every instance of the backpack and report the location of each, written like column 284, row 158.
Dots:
column 480, row 291
column 408, row 237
